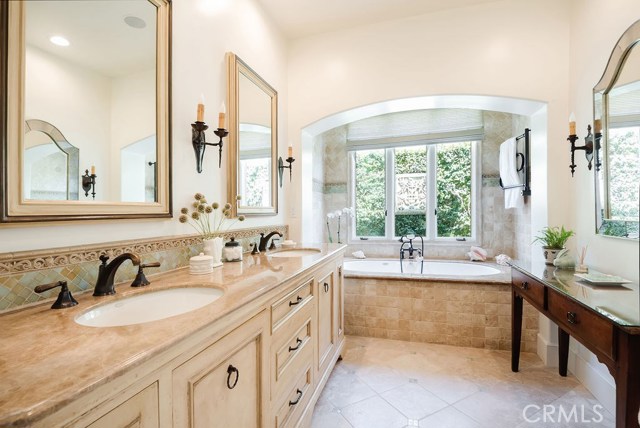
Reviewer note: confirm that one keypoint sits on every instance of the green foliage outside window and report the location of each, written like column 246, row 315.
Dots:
column 370, row 193
column 453, row 179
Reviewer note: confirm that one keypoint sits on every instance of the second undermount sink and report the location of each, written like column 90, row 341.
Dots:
column 295, row 252
column 150, row 306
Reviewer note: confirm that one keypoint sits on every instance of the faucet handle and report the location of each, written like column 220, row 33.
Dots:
column 273, row 243
column 140, row 279
column 104, row 258
column 64, row 300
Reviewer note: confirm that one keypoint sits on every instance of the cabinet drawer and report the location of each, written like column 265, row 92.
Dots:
column 291, row 303
column 295, row 401
column 530, row 289
column 584, row 325
column 292, row 348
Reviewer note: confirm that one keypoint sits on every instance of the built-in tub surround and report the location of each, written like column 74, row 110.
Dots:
column 467, row 310
column 21, row 272
column 62, row 361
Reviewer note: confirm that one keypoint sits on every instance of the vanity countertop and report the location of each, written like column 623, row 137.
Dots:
column 619, row 303
column 47, row 360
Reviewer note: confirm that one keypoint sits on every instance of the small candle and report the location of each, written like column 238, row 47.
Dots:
column 221, row 116
column 290, row 151
column 572, row 124
column 597, row 126
column 93, row 170
column 200, row 115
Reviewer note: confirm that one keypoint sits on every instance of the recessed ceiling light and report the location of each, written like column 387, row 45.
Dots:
column 134, row 22
column 59, row 40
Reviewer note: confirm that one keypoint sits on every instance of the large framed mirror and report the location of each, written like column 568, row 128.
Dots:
column 617, row 156
column 253, row 140
column 85, row 109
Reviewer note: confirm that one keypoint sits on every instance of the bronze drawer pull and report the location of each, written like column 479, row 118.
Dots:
column 326, row 287
column 525, row 285
column 230, row 371
column 297, row 400
column 298, row 343
column 572, row 317
column 298, row 300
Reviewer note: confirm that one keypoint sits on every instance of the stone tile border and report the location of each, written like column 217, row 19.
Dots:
column 28, row 261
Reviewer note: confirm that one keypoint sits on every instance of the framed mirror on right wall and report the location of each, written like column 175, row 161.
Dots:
column 253, row 140
column 616, row 100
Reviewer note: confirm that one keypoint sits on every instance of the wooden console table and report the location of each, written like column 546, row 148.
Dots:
column 606, row 320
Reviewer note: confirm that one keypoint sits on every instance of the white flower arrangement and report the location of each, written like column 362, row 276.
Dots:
column 337, row 214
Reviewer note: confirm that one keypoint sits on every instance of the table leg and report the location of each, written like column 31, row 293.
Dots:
column 627, row 385
column 563, row 351
column 516, row 330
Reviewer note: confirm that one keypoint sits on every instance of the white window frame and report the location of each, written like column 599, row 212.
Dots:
column 476, row 181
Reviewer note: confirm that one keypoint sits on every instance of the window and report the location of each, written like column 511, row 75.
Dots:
column 425, row 189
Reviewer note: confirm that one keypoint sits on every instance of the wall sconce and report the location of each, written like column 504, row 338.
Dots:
column 587, row 147
column 89, row 182
column 198, row 139
column 199, row 142
column 281, row 167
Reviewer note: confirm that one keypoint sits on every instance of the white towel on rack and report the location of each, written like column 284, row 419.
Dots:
column 509, row 174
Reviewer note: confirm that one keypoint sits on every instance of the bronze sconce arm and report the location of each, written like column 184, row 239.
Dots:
column 199, row 142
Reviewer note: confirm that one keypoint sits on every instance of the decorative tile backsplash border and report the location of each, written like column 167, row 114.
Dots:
column 21, row 272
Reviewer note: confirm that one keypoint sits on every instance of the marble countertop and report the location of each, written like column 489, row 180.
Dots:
column 47, row 360
column 619, row 303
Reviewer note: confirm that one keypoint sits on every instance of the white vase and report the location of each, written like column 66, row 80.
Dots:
column 213, row 248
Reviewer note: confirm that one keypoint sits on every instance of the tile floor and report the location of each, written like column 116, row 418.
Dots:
column 393, row 384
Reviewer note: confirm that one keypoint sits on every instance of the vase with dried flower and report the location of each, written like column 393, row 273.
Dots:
column 210, row 221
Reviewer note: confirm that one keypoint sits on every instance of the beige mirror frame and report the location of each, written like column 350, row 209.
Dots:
column 236, row 67
column 14, row 208
column 601, row 103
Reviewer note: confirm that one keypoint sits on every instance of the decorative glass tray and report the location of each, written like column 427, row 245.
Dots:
column 601, row 279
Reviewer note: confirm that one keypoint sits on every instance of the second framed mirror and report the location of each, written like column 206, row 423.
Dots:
column 253, row 140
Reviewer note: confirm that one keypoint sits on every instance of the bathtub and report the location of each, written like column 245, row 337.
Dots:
column 428, row 268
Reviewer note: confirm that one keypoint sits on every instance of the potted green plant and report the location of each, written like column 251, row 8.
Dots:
column 553, row 240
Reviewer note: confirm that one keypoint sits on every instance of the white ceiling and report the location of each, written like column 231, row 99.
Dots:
column 100, row 40
column 299, row 18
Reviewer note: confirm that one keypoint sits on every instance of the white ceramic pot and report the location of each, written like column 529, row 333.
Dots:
column 550, row 254
column 213, row 248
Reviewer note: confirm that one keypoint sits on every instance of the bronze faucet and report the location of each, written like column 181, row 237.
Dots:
column 107, row 272
column 264, row 240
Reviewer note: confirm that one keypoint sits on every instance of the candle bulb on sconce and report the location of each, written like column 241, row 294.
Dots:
column 222, row 116
column 572, row 124
column 200, row 113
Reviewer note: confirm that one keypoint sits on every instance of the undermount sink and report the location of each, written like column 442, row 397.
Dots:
column 150, row 306
column 295, row 252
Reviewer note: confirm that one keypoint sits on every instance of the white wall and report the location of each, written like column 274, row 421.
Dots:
column 590, row 52
column 203, row 30
column 511, row 48
column 596, row 26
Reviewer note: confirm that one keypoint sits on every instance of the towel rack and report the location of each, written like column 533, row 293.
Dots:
column 525, row 165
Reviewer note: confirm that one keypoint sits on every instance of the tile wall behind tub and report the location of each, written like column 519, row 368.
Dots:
column 503, row 231
column 21, row 272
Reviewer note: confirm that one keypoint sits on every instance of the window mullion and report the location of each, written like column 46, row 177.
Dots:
column 431, row 192
column 390, row 199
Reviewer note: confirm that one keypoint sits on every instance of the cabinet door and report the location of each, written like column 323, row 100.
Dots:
column 140, row 411
column 222, row 386
column 326, row 319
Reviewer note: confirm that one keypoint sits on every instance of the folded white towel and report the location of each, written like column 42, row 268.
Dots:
column 509, row 174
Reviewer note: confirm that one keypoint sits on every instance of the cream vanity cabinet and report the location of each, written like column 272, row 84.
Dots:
column 263, row 365
column 222, row 386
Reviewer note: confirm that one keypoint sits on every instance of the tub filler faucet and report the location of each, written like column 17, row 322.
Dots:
column 413, row 254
